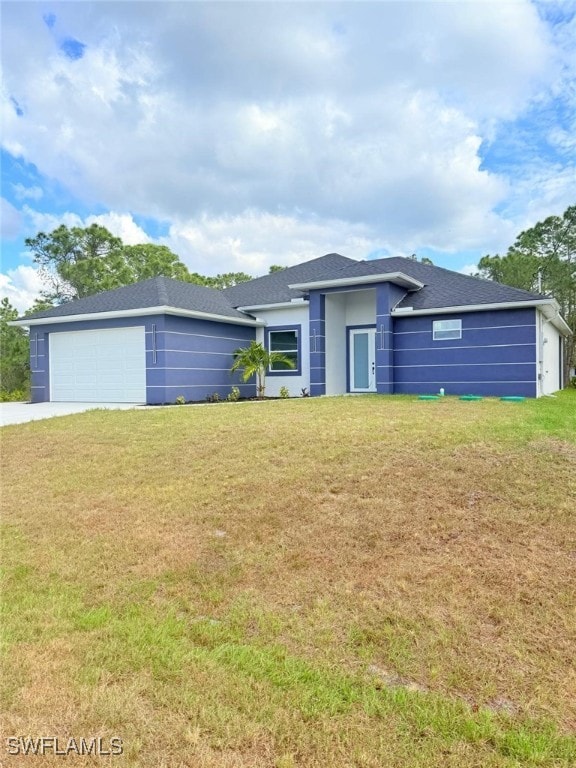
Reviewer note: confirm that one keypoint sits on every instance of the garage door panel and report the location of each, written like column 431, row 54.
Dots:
column 103, row 365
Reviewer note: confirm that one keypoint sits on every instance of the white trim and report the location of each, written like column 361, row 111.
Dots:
column 200, row 335
column 471, row 346
column 455, row 365
column 192, row 386
column 468, row 383
column 387, row 277
column 371, row 361
column 140, row 312
column 294, row 304
column 195, row 352
column 184, row 368
column 549, row 307
column 473, row 328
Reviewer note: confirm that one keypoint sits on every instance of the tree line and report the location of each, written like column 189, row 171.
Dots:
column 77, row 262
column 543, row 260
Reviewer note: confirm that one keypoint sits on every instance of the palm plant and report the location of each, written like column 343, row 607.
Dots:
column 255, row 360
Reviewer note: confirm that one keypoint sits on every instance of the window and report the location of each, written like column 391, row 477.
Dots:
column 287, row 342
column 446, row 329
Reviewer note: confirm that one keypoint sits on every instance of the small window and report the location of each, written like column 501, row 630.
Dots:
column 286, row 342
column 446, row 329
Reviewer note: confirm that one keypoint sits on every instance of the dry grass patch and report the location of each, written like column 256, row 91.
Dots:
column 352, row 581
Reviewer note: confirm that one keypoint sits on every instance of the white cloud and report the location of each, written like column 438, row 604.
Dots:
column 120, row 224
column 469, row 269
column 38, row 221
column 22, row 192
column 22, row 286
column 10, row 220
column 240, row 128
column 251, row 242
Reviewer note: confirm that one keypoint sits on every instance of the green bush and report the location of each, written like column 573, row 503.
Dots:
column 15, row 396
column 284, row 393
column 234, row 395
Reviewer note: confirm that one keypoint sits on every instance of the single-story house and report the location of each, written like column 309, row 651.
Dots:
column 390, row 325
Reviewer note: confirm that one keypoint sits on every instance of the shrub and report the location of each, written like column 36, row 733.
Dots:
column 234, row 395
column 284, row 393
column 14, row 396
column 213, row 398
column 180, row 400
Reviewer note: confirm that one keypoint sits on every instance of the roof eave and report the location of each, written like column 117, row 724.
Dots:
column 399, row 278
column 550, row 308
column 294, row 304
column 127, row 313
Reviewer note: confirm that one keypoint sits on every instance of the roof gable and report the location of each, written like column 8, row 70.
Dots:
column 441, row 288
column 444, row 287
column 146, row 294
column 273, row 288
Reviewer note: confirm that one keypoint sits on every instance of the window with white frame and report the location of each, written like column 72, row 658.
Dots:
column 442, row 330
column 284, row 341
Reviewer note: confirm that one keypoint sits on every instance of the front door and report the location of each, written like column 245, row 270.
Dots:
column 362, row 346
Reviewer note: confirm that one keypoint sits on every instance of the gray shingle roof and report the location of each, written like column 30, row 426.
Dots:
column 155, row 292
column 273, row 289
column 442, row 287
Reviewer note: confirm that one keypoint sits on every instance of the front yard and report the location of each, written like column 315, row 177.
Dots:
column 358, row 581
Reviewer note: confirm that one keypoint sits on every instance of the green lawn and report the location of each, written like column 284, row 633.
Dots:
column 362, row 581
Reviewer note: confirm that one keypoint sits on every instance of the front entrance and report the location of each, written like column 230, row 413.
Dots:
column 362, row 359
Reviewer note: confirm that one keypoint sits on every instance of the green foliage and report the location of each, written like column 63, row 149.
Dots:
column 76, row 262
column 14, row 356
column 255, row 360
column 543, row 259
column 226, row 280
column 275, row 268
column 14, row 396
column 284, row 393
column 180, row 400
column 234, row 395
column 213, row 398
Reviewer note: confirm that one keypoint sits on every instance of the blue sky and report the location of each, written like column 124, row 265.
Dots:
column 248, row 134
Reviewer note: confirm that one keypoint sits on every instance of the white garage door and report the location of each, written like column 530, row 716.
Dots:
column 98, row 366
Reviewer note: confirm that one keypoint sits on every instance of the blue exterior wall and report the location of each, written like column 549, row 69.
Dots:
column 184, row 356
column 193, row 359
column 39, row 390
column 317, row 343
column 387, row 296
column 496, row 355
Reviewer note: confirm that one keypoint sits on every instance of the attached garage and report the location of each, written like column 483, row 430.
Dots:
column 105, row 365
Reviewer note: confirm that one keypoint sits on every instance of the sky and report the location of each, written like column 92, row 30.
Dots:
column 245, row 134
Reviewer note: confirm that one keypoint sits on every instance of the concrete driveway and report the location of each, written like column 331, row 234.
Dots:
column 18, row 413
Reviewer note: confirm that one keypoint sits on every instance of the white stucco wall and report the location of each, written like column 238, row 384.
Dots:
column 349, row 308
column 335, row 344
column 361, row 308
column 549, row 354
column 297, row 315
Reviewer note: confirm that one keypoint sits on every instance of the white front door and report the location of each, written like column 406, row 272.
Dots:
column 362, row 371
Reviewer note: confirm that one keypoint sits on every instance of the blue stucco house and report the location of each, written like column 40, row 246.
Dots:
column 390, row 325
